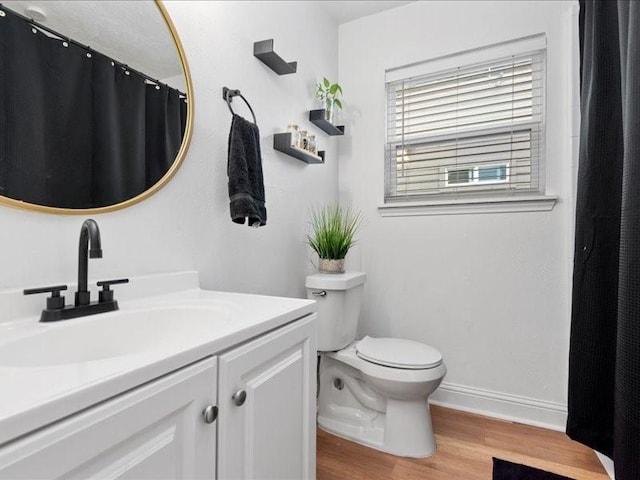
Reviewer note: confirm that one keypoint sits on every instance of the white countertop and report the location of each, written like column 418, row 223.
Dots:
column 34, row 396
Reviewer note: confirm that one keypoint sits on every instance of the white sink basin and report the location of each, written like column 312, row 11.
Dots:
column 100, row 337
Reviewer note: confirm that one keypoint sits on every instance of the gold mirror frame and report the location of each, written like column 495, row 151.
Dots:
column 184, row 147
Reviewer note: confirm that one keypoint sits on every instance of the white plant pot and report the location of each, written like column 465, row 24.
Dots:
column 330, row 265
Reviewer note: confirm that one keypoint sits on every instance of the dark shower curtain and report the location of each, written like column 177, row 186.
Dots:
column 76, row 129
column 604, row 359
column 44, row 138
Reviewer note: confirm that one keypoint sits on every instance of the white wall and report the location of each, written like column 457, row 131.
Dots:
column 186, row 225
column 491, row 291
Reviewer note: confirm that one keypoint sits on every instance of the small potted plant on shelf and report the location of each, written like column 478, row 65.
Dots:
column 333, row 233
column 327, row 93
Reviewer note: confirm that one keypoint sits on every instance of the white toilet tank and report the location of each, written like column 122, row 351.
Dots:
column 339, row 299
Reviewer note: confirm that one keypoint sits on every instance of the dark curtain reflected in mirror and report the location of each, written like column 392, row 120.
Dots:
column 78, row 130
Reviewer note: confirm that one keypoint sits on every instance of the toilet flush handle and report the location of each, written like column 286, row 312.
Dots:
column 321, row 293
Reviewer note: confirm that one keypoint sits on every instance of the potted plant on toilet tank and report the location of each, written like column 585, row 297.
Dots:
column 333, row 232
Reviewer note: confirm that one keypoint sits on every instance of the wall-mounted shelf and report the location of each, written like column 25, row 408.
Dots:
column 263, row 51
column 318, row 118
column 282, row 143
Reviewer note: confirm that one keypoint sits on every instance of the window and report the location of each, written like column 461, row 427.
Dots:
column 479, row 175
column 472, row 130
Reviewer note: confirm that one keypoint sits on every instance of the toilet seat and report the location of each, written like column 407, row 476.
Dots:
column 350, row 357
column 398, row 353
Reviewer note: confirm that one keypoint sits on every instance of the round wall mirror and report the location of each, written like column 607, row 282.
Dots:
column 96, row 104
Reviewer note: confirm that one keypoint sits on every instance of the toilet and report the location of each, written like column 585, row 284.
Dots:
column 373, row 391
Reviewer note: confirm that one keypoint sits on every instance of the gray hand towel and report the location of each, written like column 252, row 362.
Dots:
column 244, row 168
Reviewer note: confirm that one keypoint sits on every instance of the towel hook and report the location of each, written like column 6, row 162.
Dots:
column 228, row 94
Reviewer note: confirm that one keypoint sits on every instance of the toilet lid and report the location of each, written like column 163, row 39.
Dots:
column 398, row 353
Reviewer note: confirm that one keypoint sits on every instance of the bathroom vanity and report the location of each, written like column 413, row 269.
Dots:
column 180, row 383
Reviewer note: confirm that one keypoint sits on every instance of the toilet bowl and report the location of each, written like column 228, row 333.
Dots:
column 373, row 391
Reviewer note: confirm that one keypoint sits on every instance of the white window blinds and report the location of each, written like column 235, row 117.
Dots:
column 472, row 130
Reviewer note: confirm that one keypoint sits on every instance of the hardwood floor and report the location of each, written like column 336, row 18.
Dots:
column 466, row 444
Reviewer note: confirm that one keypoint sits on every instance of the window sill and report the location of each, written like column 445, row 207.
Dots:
column 532, row 203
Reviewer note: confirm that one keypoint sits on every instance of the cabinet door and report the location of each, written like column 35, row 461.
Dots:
column 154, row 431
column 271, row 435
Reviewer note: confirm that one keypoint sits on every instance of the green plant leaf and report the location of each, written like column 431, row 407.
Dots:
column 333, row 231
column 337, row 103
column 327, row 83
column 339, row 88
column 333, row 89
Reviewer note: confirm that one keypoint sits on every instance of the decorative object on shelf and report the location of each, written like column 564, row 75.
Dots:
column 327, row 93
column 304, row 140
column 333, row 233
column 282, row 143
column 292, row 128
column 319, row 118
column 263, row 51
column 311, row 144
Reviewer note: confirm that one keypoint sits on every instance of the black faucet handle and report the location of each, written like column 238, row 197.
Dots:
column 106, row 294
column 55, row 301
column 106, row 283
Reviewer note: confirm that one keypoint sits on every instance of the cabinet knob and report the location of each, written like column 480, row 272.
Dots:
column 210, row 414
column 239, row 397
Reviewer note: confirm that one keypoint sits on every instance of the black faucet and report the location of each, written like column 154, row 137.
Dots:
column 89, row 232
column 90, row 246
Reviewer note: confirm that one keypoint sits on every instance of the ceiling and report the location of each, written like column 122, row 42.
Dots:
column 345, row 11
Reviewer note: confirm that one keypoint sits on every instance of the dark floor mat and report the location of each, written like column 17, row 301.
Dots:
column 504, row 470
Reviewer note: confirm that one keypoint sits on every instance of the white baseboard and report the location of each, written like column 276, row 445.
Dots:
column 530, row 411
